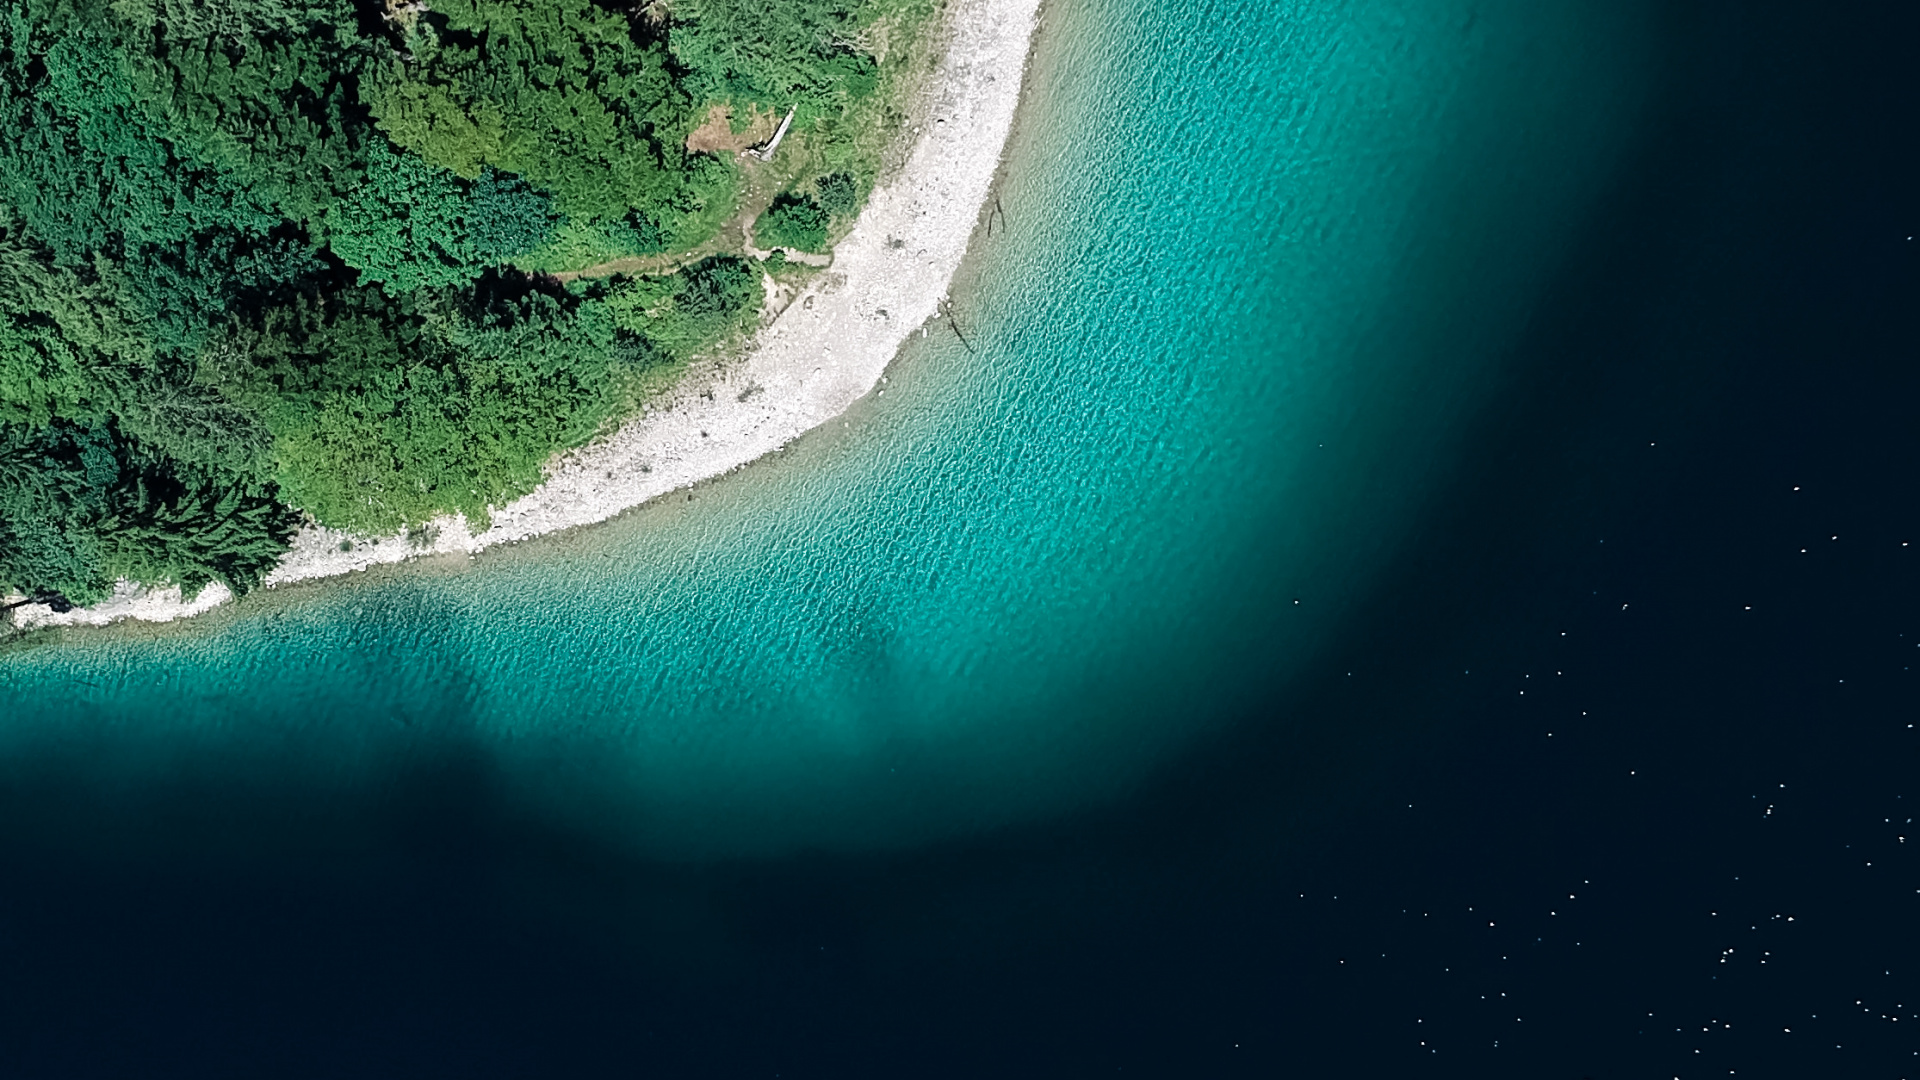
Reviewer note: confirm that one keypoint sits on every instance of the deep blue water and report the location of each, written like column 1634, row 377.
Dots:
column 1580, row 294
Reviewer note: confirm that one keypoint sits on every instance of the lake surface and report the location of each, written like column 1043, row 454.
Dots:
column 1257, row 269
column 1417, row 577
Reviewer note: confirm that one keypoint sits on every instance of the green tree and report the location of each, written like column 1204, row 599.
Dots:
column 793, row 221
column 412, row 225
column 81, row 507
column 384, row 413
column 838, row 194
column 558, row 92
column 506, row 219
column 66, row 345
column 265, row 91
column 681, row 315
column 85, row 165
column 775, row 52
column 405, row 226
column 236, row 22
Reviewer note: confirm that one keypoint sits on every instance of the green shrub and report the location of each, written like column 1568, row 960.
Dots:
column 411, row 225
column 682, row 315
column 839, row 195
column 506, row 219
column 793, row 221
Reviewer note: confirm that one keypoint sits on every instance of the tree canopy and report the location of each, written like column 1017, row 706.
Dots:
column 265, row 261
column 793, row 221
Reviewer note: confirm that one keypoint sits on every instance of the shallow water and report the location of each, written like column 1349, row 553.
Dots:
column 1257, row 266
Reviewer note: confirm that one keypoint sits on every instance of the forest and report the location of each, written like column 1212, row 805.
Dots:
column 266, row 262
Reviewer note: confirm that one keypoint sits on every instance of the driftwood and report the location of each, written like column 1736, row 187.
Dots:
column 767, row 153
column 946, row 308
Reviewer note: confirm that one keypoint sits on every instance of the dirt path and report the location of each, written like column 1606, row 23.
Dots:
column 732, row 238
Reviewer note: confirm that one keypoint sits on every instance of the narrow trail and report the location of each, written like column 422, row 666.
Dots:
column 732, row 238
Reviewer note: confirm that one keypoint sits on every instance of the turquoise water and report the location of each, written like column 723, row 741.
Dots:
column 1260, row 264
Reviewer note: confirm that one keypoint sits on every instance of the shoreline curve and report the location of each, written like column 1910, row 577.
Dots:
column 825, row 351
